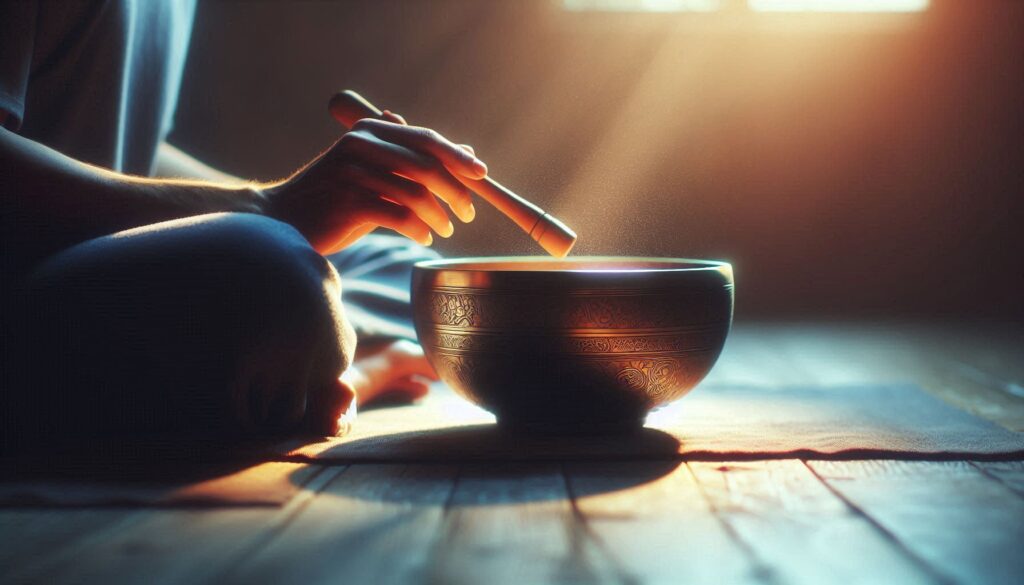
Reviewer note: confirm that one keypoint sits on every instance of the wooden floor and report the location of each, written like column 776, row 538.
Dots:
column 771, row 522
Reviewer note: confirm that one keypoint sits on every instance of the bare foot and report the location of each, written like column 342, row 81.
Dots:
column 393, row 370
column 332, row 411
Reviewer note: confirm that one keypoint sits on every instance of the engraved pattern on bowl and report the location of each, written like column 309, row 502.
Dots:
column 572, row 350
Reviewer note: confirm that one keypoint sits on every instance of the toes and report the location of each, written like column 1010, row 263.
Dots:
column 333, row 411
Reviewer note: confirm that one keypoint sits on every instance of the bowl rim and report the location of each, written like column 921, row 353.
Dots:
column 472, row 264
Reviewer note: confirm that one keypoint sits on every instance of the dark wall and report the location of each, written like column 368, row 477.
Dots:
column 847, row 165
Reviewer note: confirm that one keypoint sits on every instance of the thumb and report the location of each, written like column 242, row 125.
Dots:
column 393, row 117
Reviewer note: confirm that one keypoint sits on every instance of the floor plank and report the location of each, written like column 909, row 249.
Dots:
column 654, row 525
column 1011, row 473
column 974, row 369
column 157, row 546
column 750, row 359
column 798, row 529
column 765, row 522
column 964, row 524
column 373, row 524
column 514, row 524
column 30, row 539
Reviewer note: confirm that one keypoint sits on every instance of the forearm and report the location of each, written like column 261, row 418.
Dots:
column 174, row 163
column 51, row 201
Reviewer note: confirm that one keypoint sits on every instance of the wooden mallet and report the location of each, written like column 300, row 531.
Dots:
column 555, row 237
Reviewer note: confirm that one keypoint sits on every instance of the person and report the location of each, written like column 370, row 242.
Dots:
column 148, row 294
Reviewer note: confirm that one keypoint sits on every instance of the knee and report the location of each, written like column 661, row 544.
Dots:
column 219, row 324
column 282, row 286
column 286, row 331
column 297, row 335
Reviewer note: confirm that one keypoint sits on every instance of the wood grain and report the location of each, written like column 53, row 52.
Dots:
column 965, row 525
column 514, row 524
column 975, row 369
column 799, row 530
column 154, row 546
column 31, row 540
column 770, row 522
column 654, row 526
column 1011, row 473
column 375, row 524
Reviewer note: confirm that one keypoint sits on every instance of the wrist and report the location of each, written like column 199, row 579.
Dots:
column 266, row 197
column 257, row 198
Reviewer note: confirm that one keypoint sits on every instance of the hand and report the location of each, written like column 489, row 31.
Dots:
column 381, row 173
column 393, row 370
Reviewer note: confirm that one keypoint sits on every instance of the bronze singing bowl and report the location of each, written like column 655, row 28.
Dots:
column 575, row 345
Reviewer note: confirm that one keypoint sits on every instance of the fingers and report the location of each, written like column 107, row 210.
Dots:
column 398, row 218
column 404, row 192
column 393, row 117
column 427, row 141
column 376, row 152
column 350, row 238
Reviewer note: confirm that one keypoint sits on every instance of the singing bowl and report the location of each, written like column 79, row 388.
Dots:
column 575, row 345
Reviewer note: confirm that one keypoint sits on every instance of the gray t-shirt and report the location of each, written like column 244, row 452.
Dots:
column 97, row 80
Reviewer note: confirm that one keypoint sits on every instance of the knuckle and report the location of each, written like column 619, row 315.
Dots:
column 402, row 218
column 405, row 215
column 363, row 124
column 419, row 192
column 349, row 141
column 431, row 135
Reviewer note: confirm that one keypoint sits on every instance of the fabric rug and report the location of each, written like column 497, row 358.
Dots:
column 264, row 484
column 712, row 423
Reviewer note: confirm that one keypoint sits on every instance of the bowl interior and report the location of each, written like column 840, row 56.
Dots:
column 580, row 264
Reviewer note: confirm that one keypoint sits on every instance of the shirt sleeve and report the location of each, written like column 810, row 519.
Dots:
column 17, row 44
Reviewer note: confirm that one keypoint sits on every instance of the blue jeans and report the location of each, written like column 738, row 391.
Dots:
column 213, row 326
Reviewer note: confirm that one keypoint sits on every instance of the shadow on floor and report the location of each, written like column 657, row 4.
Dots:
column 485, row 465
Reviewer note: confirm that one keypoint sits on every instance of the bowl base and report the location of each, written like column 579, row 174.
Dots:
column 561, row 428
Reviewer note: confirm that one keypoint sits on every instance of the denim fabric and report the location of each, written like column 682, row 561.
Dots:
column 212, row 325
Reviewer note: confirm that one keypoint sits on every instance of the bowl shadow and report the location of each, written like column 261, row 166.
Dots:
column 485, row 465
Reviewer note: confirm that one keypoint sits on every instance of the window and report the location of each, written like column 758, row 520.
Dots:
column 752, row 5
column 643, row 5
column 837, row 5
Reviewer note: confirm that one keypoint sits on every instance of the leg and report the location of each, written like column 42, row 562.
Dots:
column 377, row 271
column 213, row 326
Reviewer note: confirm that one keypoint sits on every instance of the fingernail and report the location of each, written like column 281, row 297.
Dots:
column 468, row 213
column 449, row 229
column 430, row 240
column 479, row 167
